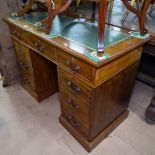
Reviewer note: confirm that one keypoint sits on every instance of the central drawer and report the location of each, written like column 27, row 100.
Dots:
column 42, row 47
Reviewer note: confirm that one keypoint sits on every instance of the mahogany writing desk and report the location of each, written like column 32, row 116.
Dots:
column 94, row 91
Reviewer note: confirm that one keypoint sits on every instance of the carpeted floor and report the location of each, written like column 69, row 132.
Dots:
column 29, row 128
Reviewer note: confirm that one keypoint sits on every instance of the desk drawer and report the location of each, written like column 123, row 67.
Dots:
column 22, row 51
column 78, row 108
column 75, row 86
column 28, row 81
column 19, row 34
column 25, row 67
column 24, row 59
column 75, row 65
column 74, row 121
column 42, row 47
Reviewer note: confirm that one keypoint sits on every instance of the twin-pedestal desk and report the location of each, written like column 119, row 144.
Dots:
column 94, row 91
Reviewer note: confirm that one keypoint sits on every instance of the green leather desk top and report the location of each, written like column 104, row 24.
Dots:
column 80, row 32
column 83, row 33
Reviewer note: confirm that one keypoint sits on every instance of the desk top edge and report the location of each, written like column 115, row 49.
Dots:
column 137, row 42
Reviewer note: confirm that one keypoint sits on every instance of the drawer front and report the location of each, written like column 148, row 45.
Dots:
column 75, row 122
column 75, row 65
column 42, row 47
column 25, row 67
column 22, row 51
column 76, row 87
column 24, row 59
column 77, row 108
column 19, row 34
column 28, row 81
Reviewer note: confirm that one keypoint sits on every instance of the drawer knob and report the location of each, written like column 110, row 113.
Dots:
column 74, row 106
column 14, row 32
column 73, row 86
column 27, row 81
column 22, row 63
column 73, row 122
column 25, row 67
column 36, row 44
column 72, row 68
column 41, row 49
column 20, row 52
column 19, row 35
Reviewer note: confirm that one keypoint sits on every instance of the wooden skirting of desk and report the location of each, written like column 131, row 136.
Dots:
column 89, row 146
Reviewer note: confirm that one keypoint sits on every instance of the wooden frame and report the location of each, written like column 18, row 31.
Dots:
column 62, row 6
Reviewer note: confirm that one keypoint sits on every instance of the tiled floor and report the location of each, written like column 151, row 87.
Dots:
column 29, row 128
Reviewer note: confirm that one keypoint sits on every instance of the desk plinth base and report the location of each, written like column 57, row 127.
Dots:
column 89, row 146
column 39, row 97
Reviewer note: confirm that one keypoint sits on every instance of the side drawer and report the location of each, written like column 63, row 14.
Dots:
column 28, row 81
column 76, row 123
column 78, row 108
column 24, row 60
column 75, row 86
column 19, row 34
column 25, row 67
column 42, row 47
column 75, row 65
column 22, row 51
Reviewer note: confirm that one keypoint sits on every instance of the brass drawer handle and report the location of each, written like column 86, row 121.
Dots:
column 14, row 32
column 73, row 86
column 74, row 106
column 21, row 63
column 25, row 67
column 27, row 81
column 37, row 44
column 20, row 52
column 73, row 69
column 39, row 47
column 73, row 122
column 19, row 35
